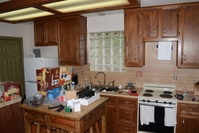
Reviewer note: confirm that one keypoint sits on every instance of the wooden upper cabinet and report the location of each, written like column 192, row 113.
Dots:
column 149, row 23
column 134, row 48
column 46, row 32
column 72, row 49
column 189, row 38
column 160, row 23
column 169, row 22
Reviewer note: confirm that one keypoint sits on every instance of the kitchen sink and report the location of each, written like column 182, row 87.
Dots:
column 109, row 89
column 104, row 89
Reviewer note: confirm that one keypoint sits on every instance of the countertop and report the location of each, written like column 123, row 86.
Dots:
column 85, row 110
column 123, row 93
column 4, row 104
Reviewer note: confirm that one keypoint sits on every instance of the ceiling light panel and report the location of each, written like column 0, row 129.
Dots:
column 22, row 14
column 78, row 5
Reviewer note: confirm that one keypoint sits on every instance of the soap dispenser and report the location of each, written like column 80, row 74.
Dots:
column 130, row 86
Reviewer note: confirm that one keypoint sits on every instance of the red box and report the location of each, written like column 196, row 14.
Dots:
column 9, row 90
column 50, row 78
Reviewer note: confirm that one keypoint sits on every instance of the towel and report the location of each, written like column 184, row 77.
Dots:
column 146, row 114
column 164, row 50
column 170, row 117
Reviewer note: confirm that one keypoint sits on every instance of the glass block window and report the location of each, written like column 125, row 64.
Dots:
column 107, row 51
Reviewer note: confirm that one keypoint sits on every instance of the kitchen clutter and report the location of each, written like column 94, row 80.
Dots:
column 56, row 89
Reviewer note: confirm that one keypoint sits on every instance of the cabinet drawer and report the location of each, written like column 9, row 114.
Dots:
column 36, row 117
column 61, row 121
column 189, row 109
column 125, row 128
column 112, row 100
column 128, row 102
column 127, row 115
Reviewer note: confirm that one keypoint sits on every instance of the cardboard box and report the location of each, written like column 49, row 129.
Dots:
column 50, row 78
column 9, row 90
column 66, row 73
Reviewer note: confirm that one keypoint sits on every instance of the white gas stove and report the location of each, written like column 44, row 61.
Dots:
column 158, row 95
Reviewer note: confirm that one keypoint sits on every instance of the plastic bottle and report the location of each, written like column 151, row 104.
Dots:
column 72, row 85
column 86, row 82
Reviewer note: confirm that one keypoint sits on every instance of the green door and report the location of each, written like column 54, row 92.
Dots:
column 11, row 61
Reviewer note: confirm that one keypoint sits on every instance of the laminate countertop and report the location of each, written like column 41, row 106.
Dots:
column 4, row 104
column 123, row 93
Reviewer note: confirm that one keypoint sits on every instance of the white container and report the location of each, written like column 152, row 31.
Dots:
column 84, row 101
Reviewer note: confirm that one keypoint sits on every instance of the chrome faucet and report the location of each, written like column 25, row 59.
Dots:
column 104, row 77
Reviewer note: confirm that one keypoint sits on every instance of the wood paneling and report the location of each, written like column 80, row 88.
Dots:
column 154, row 71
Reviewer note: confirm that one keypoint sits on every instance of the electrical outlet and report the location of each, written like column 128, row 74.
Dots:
column 175, row 70
column 175, row 77
column 138, row 73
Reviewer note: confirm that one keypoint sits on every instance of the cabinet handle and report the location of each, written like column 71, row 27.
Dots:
column 185, row 57
column 135, row 57
column 125, row 102
column 125, row 112
column 126, row 128
column 164, row 31
column 183, row 122
column 191, row 109
column 154, row 31
column 35, row 116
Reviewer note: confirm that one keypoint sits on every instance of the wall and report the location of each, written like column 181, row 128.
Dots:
column 155, row 71
column 26, row 31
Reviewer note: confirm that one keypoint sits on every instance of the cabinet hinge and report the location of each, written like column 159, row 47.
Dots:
column 179, row 33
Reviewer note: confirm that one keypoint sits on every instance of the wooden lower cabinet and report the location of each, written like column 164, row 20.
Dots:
column 121, row 115
column 11, row 119
column 188, row 118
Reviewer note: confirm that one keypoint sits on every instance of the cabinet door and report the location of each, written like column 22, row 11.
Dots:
column 169, row 22
column 134, row 48
column 188, row 125
column 188, row 44
column 69, row 41
column 111, row 120
column 149, row 23
column 51, row 32
column 46, row 32
column 72, row 41
column 39, row 32
column 11, row 119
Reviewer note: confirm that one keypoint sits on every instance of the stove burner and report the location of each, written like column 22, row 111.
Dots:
column 167, row 92
column 149, row 91
column 166, row 96
column 147, row 94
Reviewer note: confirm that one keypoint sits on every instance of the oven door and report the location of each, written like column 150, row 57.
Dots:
column 158, row 126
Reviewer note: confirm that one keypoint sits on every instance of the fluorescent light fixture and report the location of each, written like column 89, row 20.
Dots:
column 78, row 5
column 26, row 13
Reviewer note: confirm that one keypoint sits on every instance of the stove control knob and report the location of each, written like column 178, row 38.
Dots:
column 165, row 102
column 143, row 100
column 156, row 101
column 148, row 101
column 170, row 102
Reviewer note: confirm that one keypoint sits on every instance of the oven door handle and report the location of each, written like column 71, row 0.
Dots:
column 166, row 106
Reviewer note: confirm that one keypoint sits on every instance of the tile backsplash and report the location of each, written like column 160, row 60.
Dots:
column 154, row 71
